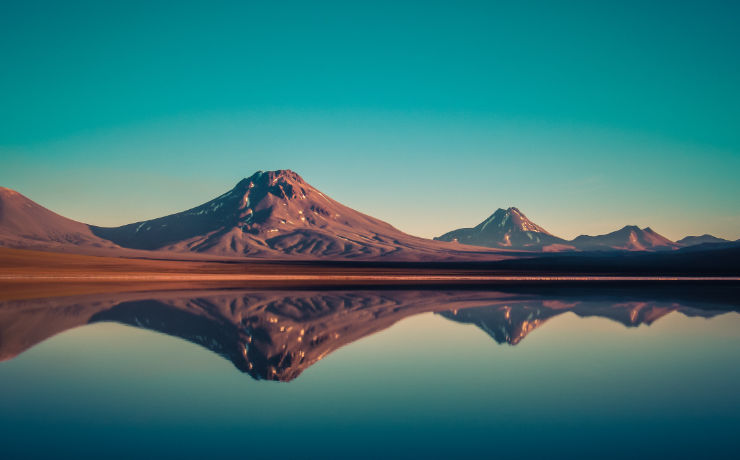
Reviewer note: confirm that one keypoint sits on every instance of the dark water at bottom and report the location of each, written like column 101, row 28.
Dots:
column 351, row 374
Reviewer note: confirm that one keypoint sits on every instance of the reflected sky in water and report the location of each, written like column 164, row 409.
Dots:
column 400, row 374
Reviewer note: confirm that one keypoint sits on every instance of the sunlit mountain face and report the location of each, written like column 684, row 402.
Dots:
column 278, row 215
column 270, row 214
column 276, row 335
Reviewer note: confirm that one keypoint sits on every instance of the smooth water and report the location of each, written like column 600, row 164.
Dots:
column 376, row 373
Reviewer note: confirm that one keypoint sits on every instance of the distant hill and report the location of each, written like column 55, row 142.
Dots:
column 26, row 224
column 628, row 238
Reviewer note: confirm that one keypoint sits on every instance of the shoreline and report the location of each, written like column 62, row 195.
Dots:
column 155, row 277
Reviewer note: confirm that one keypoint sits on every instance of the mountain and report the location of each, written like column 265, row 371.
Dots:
column 628, row 238
column 277, row 214
column 26, row 224
column 507, row 228
column 695, row 240
column 510, row 228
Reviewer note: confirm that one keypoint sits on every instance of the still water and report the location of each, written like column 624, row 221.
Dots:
column 373, row 373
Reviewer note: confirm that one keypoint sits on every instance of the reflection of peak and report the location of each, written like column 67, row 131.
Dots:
column 273, row 338
column 276, row 335
column 506, row 324
column 511, row 323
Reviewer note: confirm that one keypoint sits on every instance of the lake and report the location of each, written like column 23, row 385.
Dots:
column 540, row 372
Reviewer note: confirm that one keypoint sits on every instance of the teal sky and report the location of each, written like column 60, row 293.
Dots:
column 430, row 115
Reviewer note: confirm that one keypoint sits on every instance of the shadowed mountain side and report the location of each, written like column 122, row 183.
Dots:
column 276, row 335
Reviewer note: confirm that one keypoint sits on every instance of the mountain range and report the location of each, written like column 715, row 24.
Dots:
column 269, row 214
column 273, row 214
column 276, row 214
column 511, row 229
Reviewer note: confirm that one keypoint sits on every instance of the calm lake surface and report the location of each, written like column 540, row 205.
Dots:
column 372, row 373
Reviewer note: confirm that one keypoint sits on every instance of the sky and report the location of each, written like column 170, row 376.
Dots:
column 587, row 116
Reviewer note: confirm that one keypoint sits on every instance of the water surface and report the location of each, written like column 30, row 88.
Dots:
column 339, row 373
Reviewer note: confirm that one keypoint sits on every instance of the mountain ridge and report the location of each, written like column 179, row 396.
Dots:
column 512, row 229
column 273, row 214
column 277, row 214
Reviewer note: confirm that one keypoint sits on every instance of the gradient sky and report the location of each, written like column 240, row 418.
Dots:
column 430, row 115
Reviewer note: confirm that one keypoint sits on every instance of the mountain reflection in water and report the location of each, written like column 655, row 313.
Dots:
column 276, row 335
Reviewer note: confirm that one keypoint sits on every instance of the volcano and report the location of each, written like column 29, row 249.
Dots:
column 278, row 214
column 507, row 228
